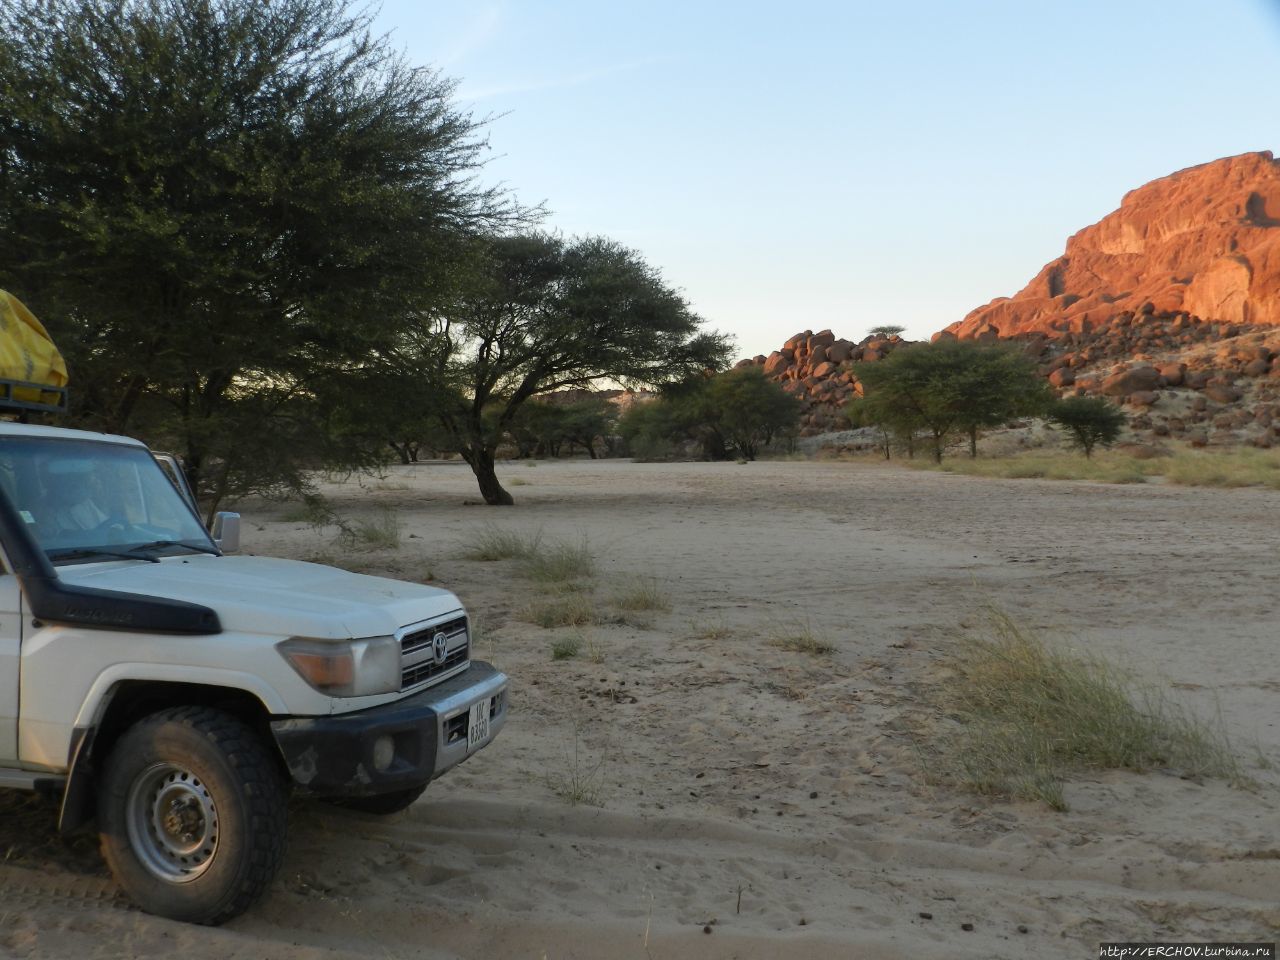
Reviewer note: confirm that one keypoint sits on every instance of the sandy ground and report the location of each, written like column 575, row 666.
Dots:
column 754, row 802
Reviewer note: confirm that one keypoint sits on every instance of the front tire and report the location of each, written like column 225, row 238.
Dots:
column 193, row 815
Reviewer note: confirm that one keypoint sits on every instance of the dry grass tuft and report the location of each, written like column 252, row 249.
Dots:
column 379, row 532
column 495, row 543
column 1021, row 717
column 800, row 638
column 562, row 610
column 558, row 562
column 580, row 782
column 644, row 593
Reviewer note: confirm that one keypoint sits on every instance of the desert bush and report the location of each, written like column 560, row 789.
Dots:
column 566, row 648
column 1021, row 716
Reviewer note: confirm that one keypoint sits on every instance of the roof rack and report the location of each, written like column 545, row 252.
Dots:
column 25, row 396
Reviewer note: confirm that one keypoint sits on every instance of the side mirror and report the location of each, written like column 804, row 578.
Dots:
column 226, row 531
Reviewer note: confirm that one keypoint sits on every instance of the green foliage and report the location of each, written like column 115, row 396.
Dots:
column 566, row 648
column 735, row 412
column 886, row 330
column 536, row 313
column 1089, row 421
column 224, row 209
column 543, row 427
column 948, row 386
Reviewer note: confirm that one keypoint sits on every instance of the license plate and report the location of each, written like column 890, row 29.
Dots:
column 478, row 723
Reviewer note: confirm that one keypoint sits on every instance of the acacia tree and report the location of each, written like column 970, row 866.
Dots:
column 219, row 208
column 891, row 422
column 739, row 410
column 537, row 313
column 999, row 385
column 1089, row 421
column 951, row 385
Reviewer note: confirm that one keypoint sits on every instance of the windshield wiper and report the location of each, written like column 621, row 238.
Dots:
column 69, row 553
column 156, row 544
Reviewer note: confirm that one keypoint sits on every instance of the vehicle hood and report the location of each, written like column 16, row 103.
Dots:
column 263, row 595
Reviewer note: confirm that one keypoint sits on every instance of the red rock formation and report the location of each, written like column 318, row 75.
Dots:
column 818, row 368
column 1204, row 242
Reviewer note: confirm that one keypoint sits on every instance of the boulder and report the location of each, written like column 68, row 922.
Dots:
column 824, row 369
column 1256, row 368
column 1133, row 380
column 1222, row 393
column 776, row 363
column 840, row 351
column 1062, row 377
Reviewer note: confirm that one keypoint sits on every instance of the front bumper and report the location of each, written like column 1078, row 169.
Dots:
column 334, row 756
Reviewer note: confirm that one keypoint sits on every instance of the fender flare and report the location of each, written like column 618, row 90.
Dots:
column 77, row 795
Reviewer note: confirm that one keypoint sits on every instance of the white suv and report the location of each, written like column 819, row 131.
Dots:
column 176, row 692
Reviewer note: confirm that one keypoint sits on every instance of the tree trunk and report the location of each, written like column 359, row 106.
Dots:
column 482, row 464
column 973, row 443
column 937, row 448
column 401, row 449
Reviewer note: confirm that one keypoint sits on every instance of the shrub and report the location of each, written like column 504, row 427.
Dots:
column 566, row 648
column 565, row 610
column 1023, row 716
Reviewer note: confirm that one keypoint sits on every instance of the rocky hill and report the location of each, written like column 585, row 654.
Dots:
column 1169, row 306
column 1204, row 242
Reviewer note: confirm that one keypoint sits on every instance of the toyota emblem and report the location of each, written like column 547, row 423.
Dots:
column 440, row 647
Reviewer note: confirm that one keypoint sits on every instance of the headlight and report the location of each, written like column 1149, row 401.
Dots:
column 346, row 668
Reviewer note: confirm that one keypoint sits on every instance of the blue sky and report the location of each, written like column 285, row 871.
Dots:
column 822, row 164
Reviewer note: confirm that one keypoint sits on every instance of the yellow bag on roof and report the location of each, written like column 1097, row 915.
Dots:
column 27, row 354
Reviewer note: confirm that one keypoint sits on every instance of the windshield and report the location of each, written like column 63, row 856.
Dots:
column 83, row 499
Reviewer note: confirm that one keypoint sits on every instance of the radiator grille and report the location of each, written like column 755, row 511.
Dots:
column 418, row 651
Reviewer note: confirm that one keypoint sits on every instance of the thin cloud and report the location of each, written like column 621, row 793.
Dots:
column 479, row 31
column 557, row 83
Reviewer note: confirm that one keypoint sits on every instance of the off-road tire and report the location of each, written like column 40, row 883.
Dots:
column 383, row 804
column 208, row 762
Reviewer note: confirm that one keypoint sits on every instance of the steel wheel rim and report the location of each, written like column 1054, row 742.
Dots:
column 172, row 823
